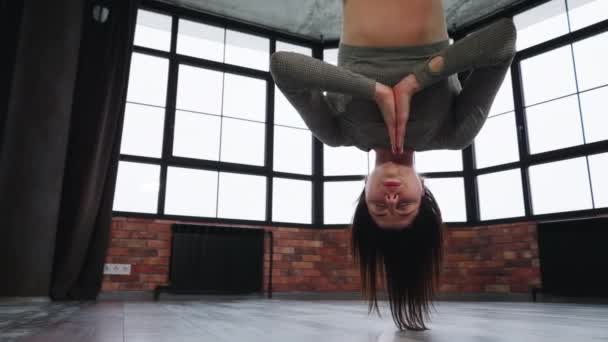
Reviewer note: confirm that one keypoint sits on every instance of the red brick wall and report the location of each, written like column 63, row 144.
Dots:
column 312, row 260
column 501, row 258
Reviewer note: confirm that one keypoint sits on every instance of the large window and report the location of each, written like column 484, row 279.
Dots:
column 208, row 135
column 537, row 153
column 198, row 126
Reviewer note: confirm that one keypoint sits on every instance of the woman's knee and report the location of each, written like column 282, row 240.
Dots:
column 436, row 64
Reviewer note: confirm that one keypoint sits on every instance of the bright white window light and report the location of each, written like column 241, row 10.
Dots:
column 242, row 196
column 137, row 187
column 501, row 195
column 200, row 40
column 340, row 200
column 148, row 80
column 247, row 50
column 560, row 186
column 153, row 30
column 291, row 200
column 191, row 192
column 449, row 193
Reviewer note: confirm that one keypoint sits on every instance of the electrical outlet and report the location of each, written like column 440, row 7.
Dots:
column 122, row 269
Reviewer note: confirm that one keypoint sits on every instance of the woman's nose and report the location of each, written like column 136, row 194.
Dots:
column 392, row 198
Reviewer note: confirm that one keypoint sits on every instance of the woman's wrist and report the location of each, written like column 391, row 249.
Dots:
column 381, row 91
column 410, row 84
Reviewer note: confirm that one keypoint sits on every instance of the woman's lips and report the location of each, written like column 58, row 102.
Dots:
column 392, row 183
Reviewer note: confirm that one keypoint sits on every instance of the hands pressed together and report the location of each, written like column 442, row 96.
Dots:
column 394, row 103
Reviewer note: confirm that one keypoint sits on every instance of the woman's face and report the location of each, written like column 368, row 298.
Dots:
column 393, row 193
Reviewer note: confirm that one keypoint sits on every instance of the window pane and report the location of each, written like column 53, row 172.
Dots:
column 496, row 143
column 291, row 201
column 371, row 156
column 281, row 46
column 586, row 12
column 284, row 112
column 242, row 196
column 340, row 161
column 243, row 142
column 244, row 97
column 191, row 192
column 598, row 166
column 554, row 125
column 560, row 186
column 200, row 40
column 555, row 66
column 449, row 193
column 199, row 90
column 247, row 50
column 340, row 200
column 196, row 135
column 331, row 56
column 438, row 161
column 595, row 115
column 292, row 150
column 137, row 187
column 148, row 80
column 501, row 195
column 503, row 102
column 142, row 131
column 153, row 30
column 590, row 56
column 541, row 23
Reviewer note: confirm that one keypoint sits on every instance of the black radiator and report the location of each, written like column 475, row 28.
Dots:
column 574, row 257
column 215, row 260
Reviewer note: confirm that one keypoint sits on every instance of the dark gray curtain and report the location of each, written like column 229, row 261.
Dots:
column 10, row 18
column 93, row 149
column 35, row 139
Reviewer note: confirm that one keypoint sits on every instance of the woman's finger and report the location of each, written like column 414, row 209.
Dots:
column 403, row 110
column 389, row 119
column 385, row 100
column 398, row 109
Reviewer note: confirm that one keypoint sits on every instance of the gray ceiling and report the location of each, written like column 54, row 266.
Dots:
column 322, row 18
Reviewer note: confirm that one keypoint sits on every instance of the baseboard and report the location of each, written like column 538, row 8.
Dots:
column 149, row 295
column 298, row 295
column 295, row 295
column 548, row 298
column 22, row 300
column 126, row 296
column 484, row 297
column 487, row 297
column 302, row 295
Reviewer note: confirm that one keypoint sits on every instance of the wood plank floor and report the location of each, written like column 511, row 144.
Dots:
column 258, row 319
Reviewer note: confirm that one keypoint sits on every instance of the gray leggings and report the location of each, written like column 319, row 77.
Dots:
column 443, row 115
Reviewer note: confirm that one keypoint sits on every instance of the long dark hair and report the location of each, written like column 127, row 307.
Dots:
column 407, row 261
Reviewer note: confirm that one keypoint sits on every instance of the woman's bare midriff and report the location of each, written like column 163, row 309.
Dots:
column 392, row 22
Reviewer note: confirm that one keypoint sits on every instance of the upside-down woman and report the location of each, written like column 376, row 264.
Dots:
column 396, row 90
